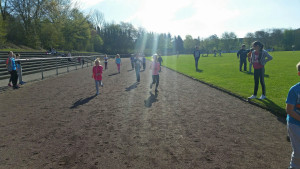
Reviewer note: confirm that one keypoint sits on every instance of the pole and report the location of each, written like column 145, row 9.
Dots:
column 42, row 69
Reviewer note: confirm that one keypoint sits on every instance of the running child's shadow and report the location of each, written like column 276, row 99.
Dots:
column 82, row 102
column 151, row 99
column 113, row 74
column 133, row 86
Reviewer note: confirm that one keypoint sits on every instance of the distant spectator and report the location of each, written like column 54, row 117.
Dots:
column 220, row 52
column 12, row 69
column 118, row 62
column 105, row 61
column 215, row 53
column 196, row 54
column 249, row 59
column 7, row 60
column 258, row 59
column 293, row 121
column 242, row 54
column 69, row 56
column 19, row 69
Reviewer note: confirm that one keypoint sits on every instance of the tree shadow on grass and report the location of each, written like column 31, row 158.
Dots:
column 151, row 99
column 276, row 110
column 133, row 86
column 82, row 102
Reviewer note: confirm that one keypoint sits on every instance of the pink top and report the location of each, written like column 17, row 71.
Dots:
column 256, row 64
column 97, row 72
column 155, row 68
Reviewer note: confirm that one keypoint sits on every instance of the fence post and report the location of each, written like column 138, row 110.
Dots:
column 42, row 69
column 76, row 62
column 67, row 65
column 56, row 67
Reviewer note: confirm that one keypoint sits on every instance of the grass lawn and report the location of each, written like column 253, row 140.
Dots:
column 223, row 71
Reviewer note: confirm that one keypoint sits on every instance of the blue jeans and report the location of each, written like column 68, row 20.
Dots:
column 196, row 62
column 137, row 72
column 294, row 133
column 98, row 83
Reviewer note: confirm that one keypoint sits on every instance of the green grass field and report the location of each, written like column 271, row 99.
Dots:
column 223, row 71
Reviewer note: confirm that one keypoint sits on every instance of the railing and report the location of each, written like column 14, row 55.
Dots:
column 40, row 65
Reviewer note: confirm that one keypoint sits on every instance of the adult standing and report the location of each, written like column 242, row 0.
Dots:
column 258, row 59
column 196, row 54
column 242, row 54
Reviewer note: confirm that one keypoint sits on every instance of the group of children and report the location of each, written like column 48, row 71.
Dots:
column 15, row 70
column 136, row 63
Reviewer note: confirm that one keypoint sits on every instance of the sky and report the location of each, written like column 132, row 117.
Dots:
column 199, row 18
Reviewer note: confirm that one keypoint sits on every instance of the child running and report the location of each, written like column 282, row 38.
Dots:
column 293, row 121
column 97, row 74
column 118, row 62
column 105, row 61
column 155, row 67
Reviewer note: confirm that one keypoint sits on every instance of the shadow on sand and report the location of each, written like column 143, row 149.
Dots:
column 82, row 101
column 133, row 86
column 277, row 110
column 113, row 74
column 151, row 99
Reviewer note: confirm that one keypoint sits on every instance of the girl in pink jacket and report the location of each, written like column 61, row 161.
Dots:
column 97, row 74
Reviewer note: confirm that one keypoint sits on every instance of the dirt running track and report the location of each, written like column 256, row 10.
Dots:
column 60, row 123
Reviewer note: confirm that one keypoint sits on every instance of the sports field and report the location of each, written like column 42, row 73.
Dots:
column 59, row 122
column 223, row 71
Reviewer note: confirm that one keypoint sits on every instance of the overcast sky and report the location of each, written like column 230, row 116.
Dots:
column 199, row 17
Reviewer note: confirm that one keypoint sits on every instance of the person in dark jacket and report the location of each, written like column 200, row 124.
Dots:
column 242, row 54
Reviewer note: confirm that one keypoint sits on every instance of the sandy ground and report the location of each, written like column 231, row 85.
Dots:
column 60, row 123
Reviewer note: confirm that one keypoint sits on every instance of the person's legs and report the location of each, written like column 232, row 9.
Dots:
column 20, row 75
column 10, row 79
column 118, row 65
column 245, row 64
column 196, row 62
column 105, row 65
column 241, row 63
column 250, row 67
column 153, row 81
column 294, row 133
column 157, row 81
column 256, row 80
column 137, row 72
column 97, row 86
column 262, row 80
column 14, row 78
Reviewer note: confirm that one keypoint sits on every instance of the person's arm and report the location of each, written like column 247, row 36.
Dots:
column 269, row 57
column 290, row 110
column 238, row 54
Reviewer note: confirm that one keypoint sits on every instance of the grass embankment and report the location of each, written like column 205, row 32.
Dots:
column 223, row 71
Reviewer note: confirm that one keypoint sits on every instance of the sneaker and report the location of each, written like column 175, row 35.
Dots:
column 262, row 97
column 252, row 97
column 9, row 85
column 101, row 84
